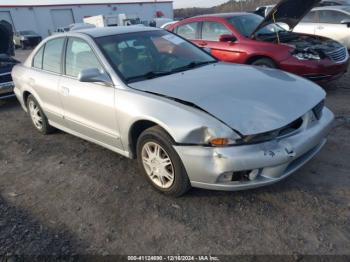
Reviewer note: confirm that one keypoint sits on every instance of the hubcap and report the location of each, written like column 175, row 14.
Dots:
column 158, row 165
column 35, row 114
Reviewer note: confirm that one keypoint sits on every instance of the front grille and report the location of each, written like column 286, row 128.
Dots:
column 318, row 110
column 284, row 131
column 4, row 78
column 339, row 55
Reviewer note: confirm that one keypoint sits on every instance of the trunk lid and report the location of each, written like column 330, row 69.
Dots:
column 290, row 12
column 251, row 100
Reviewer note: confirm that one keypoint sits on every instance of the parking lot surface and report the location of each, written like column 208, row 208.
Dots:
column 62, row 195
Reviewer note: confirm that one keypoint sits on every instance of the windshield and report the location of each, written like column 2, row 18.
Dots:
column 145, row 55
column 27, row 33
column 246, row 25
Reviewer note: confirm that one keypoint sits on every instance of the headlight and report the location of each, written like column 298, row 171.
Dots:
column 306, row 56
column 23, row 38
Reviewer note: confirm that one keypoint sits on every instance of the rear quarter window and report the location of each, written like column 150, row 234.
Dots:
column 53, row 55
column 38, row 58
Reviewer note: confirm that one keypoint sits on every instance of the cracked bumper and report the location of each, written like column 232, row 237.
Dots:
column 205, row 166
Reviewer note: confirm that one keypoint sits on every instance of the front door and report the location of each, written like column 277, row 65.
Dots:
column 88, row 107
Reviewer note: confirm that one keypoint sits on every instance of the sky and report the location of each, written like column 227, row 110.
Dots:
column 197, row 3
column 177, row 3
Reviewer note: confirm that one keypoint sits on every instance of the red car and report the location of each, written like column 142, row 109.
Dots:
column 250, row 39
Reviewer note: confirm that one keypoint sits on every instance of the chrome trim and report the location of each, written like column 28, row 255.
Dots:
column 337, row 53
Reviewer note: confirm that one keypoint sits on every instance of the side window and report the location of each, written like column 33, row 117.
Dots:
column 332, row 17
column 310, row 18
column 38, row 58
column 211, row 31
column 52, row 55
column 188, row 31
column 79, row 56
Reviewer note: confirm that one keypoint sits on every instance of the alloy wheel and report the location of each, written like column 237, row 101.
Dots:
column 158, row 165
column 35, row 114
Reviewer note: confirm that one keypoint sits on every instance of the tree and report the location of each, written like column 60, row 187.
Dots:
column 230, row 6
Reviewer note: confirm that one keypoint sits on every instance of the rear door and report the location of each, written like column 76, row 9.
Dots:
column 88, row 107
column 330, row 26
column 210, row 37
column 45, row 76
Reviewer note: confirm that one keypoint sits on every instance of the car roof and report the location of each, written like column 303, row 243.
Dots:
column 115, row 30
column 345, row 8
column 224, row 15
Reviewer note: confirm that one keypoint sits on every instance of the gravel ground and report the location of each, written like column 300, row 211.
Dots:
column 62, row 195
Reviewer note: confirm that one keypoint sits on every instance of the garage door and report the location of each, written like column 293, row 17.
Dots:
column 62, row 17
column 5, row 15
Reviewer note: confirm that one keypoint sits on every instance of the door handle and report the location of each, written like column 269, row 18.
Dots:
column 65, row 91
column 203, row 44
column 320, row 27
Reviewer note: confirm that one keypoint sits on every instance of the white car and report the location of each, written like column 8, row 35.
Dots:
column 331, row 21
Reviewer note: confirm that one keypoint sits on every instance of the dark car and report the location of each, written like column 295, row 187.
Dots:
column 247, row 38
column 26, row 39
column 6, row 60
column 334, row 2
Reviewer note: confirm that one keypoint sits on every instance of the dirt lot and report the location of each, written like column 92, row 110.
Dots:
column 62, row 195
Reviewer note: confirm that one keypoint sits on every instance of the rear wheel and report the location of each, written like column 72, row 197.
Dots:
column 160, row 163
column 264, row 62
column 38, row 117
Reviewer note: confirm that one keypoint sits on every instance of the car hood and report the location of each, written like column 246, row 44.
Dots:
column 6, row 44
column 290, row 12
column 250, row 100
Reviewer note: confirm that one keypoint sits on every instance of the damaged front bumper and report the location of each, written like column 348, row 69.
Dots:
column 269, row 162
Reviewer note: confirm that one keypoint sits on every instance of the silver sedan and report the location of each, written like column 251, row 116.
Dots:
column 188, row 119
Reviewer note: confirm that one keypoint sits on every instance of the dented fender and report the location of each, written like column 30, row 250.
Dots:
column 184, row 123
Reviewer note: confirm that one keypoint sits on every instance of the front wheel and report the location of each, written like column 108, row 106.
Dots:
column 160, row 163
column 264, row 62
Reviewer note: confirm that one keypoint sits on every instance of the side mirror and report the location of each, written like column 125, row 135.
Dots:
column 346, row 22
column 94, row 75
column 227, row 38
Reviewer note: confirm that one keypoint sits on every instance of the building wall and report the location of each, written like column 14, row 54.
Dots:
column 40, row 20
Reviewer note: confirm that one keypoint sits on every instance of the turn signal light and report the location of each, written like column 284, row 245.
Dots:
column 220, row 142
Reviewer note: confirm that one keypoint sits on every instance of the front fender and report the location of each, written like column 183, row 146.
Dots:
column 184, row 123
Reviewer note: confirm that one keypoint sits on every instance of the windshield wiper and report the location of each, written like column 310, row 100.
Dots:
column 192, row 65
column 149, row 75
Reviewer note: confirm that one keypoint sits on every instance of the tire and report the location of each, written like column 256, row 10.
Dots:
column 264, row 62
column 176, row 182
column 38, row 117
